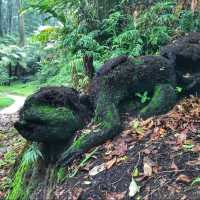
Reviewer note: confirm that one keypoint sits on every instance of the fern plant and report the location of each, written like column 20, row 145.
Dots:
column 29, row 158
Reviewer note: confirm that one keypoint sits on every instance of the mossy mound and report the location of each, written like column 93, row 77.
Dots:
column 52, row 115
column 163, row 99
column 184, row 54
column 130, row 77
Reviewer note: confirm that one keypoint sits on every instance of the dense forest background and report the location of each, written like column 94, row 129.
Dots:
column 61, row 41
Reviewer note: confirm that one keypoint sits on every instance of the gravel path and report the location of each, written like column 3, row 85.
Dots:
column 9, row 115
column 16, row 106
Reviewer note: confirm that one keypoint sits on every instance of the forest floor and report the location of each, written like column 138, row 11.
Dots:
column 18, row 102
column 11, row 142
column 155, row 159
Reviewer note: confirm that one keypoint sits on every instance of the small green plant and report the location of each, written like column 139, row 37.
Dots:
column 196, row 181
column 61, row 175
column 17, row 186
column 82, row 163
column 143, row 97
column 136, row 127
column 179, row 89
column 188, row 147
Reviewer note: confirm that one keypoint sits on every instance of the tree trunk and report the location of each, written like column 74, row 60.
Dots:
column 21, row 25
column 88, row 66
column 1, row 19
column 9, row 16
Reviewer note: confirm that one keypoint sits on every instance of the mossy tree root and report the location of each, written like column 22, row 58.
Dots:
column 163, row 99
column 107, row 117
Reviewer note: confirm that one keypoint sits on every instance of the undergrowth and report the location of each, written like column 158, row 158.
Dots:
column 18, row 186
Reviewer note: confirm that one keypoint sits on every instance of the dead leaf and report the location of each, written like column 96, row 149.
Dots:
column 182, row 137
column 147, row 151
column 196, row 148
column 193, row 162
column 183, row 178
column 174, row 166
column 120, row 148
column 115, row 196
column 133, row 188
column 76, row 193
column 157, row 133
column 110, row 163
column 148, row 171
column 96, row 170
column 156, row 169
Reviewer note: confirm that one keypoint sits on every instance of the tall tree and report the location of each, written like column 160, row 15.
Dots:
column 9, row 16
column 21, row 24
column 1, row 19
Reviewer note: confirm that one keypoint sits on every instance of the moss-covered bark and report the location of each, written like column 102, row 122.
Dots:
column 52, row 115
column 115, row 83
column 163, row 99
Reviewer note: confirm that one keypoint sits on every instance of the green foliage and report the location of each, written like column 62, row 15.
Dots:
column 11, row 56
column 156, row 25
column 111, row 25
column 48, row 33
column 19, row 88
column 4, row 76
column 30, row 157
column 61, row 176
column 189, row 21
column 15, row 61
column 196, row 181
column 117, row 33
column 143, row 97
column 8, row 40
column 137, row 127
column 179, row 89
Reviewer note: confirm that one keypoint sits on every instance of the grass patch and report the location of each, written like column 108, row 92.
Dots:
column 5, row 102
column 19, row 89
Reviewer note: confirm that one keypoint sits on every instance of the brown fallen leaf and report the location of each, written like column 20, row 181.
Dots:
column 147, row 167
column 76, row 193
column 120, row 148
column 183, row 178
column 157, row 133
column 173, row 166
column 193, row 162
column 97, row 169
column 110, row 163
column 115, row 196
column 182, row 137
column 146, row 151
column 156, row 169
column 196, row 148
column 148, row 171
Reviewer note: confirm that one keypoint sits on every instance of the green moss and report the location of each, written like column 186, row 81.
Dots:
column 18, row 187
column 155, row 102
column 49, row 114
column 78, row 143
column 111, row 117
column 163, row 99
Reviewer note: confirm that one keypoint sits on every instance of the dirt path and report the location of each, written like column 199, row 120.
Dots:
column 10, row 142
column 9, row 115
column 19, row 102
